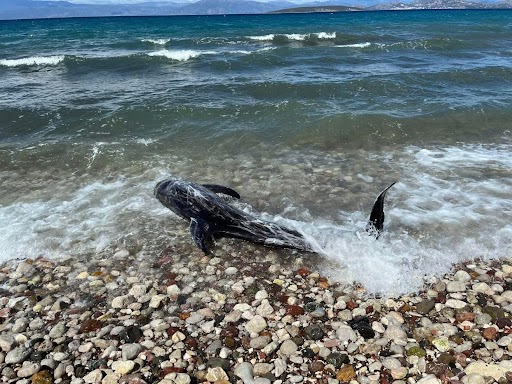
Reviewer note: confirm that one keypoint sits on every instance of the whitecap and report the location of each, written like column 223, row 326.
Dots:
column 180, row 55
column 357, row 45
column 33, row 60
column 156, row 41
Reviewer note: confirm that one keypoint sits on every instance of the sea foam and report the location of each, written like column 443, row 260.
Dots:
column 450, row 204
column 33, row 60
column 295, row 36
column 156, row 41
column 180, row 55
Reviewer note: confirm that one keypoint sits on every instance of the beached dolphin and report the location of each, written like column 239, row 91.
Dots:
column 212, row 216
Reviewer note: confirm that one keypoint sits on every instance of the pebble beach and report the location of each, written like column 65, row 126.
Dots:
column 246, row 314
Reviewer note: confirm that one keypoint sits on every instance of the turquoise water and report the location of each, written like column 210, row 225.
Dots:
column 308, row 116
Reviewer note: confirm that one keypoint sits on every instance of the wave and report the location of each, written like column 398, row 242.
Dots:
column 181, row 54
column 156, row 41
column 187, row 54
column 33, row 61
column 358, row 45
column 295, row 36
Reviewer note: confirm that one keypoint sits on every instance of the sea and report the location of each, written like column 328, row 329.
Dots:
column 307, row 116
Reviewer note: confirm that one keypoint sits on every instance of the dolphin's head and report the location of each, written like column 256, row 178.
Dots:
column 172, row 193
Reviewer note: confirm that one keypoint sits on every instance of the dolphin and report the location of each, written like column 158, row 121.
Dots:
column 210, row 215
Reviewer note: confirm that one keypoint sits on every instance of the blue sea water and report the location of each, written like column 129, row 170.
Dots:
column 307, row 116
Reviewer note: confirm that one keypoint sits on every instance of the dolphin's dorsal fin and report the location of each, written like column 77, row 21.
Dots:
column 376, row 221
column 221, row 189
column 201, row 233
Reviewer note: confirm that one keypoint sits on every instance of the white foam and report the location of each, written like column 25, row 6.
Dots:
column 33, row 60
column 357, row 45
column 451, row 204
column 180, row 55
column 88, row 220
column 295, row 36
column 156, row 41
column 326, row 35
column 268, row 37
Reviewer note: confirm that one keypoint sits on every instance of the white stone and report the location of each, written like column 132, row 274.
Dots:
column 429, row 379
column 123, row 366
column 231, row 271
column 456, row 286
column 288, row 348
column 256, row 324
column 462, row 276
column 455, row 304
column 279, row 367
column 216, row 374
column 120, row 302
column 137, row 290
column 93, row 376
column 156, row 301
column 173, row 290
column 265, row 309
column 473, row 378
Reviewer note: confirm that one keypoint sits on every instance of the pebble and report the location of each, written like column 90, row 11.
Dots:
column 288, row 348
column 130, row 351
column 94, row 376
column 256, row 324
column 245, row 372
column 17, row 355
column 123, row 366
column 216, row 374
column 28, row 369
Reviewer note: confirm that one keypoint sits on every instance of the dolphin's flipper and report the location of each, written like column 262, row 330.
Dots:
column 221, row 189
column 201, row 233
column 376, row 221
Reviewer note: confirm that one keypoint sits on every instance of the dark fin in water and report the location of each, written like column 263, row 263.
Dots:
column 201, row 233
column 221, row 189
column 376, row 222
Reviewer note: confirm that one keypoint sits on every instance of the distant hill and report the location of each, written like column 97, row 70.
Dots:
column 31, row 9
column 318, row 9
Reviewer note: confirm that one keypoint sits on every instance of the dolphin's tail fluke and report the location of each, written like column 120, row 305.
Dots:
column 376, row 221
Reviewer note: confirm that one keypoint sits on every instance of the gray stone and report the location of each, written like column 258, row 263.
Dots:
column 259, row 342
column 17, row 355
column 130, row 351
column 194, row 318
column 214, row 347
column 218, row 362
column 58, row 330
column 245, row 372
column 6, row 342
column 425, row 306
column 261, row 369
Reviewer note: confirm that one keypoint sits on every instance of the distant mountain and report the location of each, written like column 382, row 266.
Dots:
column 443, row 4
column 31, row 9
column 225, row 7
column 318, row 9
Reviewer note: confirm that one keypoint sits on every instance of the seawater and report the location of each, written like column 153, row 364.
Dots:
column 307, row 116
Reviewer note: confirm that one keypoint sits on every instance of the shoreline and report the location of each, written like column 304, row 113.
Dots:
column 251, row 317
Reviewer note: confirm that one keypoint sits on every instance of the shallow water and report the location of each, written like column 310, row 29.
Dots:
column 309, row 117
